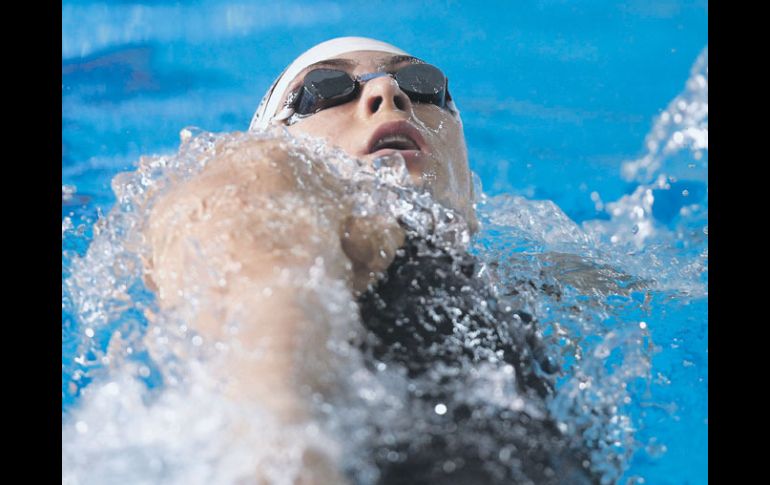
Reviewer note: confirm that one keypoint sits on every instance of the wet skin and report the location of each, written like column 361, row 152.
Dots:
column 441, row 166
column 247, row 216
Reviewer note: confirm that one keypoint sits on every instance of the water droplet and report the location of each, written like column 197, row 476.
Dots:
column 601, row 352
column 685, row 193
column 655, row 449
column 440, row 409
column 90, row 332
column 197, row 340
column 642, row 325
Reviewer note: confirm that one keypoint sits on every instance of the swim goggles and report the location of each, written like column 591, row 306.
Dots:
column 324, row 88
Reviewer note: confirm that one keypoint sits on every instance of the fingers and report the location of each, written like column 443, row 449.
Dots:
column 370, row 243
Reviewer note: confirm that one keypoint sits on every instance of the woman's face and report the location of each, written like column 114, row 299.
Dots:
column 438, row 162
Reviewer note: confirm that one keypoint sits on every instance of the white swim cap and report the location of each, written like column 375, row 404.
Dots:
column 325, row 50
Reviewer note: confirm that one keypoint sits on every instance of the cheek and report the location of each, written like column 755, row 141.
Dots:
column 309, row 126
column 447, row 141
column 332, row 127
column 449, row 174
column 430, row 117
column 444, row 130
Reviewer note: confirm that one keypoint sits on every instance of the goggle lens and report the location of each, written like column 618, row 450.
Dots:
column 423, row 83
column 324, row 88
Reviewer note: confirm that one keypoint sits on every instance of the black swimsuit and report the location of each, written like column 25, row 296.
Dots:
column 432, row 315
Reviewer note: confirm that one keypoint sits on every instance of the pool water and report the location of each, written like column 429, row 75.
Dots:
column 586, row 125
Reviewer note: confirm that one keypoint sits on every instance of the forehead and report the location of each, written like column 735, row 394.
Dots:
column 372, row 59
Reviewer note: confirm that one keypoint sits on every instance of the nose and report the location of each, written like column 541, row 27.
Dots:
column 382, row 94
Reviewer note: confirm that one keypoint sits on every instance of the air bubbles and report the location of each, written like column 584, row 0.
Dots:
column 89, row 332
column 655, row 449
column 601, row 352
column 440, row 409
column 67, row 191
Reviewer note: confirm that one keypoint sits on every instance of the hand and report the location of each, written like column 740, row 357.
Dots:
column 370, row 243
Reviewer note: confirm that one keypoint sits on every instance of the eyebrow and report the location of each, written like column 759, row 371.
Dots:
column 399, row 59
column 331, row 63
column 349, row 63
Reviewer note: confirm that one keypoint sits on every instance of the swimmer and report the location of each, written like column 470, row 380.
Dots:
column 369, row 99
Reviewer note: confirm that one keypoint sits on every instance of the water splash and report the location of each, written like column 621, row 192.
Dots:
column 150, row 406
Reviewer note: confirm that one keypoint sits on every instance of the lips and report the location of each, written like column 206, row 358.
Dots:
column 399, row 136
column 396, row 142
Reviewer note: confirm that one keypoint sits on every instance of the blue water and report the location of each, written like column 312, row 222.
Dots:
column 554, row 95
